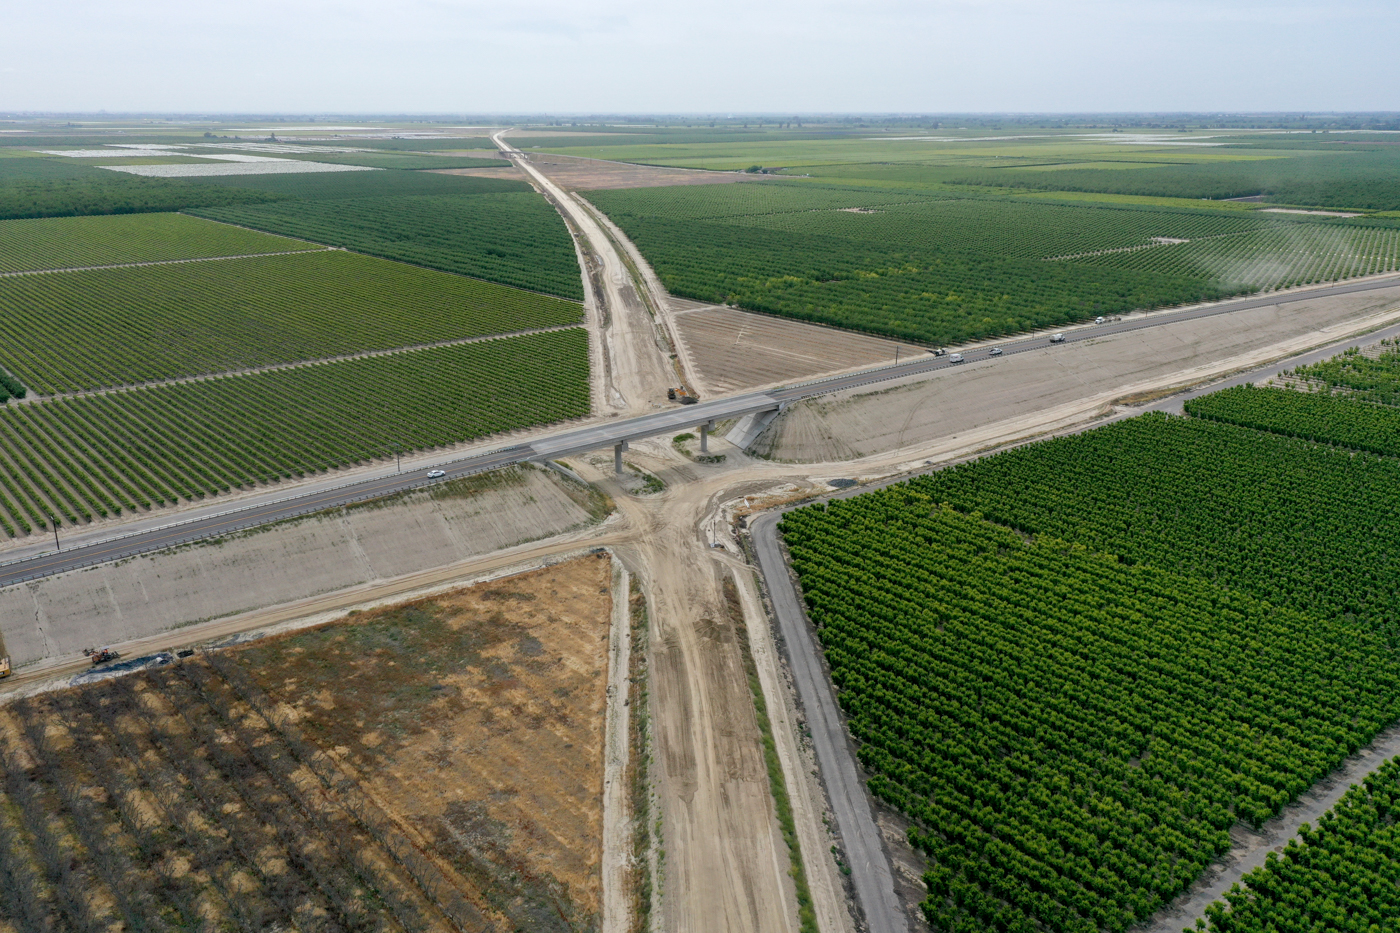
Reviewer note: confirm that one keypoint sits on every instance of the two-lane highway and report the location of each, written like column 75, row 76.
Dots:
column 275, row 507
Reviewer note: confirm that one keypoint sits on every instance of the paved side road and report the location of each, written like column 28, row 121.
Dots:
column 870, row 868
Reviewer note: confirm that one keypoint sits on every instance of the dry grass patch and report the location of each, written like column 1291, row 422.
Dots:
column 476, row 719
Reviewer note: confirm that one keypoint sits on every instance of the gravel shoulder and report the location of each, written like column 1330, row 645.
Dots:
column 870, row 866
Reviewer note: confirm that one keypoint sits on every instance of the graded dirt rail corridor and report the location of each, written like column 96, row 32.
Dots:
column 638, row 370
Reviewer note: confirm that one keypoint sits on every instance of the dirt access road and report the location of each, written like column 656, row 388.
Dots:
column 636, row 367
column 727, row 866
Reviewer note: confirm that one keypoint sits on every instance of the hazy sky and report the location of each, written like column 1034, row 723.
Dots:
column 566, row 56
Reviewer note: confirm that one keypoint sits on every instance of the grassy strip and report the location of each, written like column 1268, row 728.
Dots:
column 806, row 914
column 643, row 881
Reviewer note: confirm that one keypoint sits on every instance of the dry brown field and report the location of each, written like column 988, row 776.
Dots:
column 732, row 350
column 578, row 173
column 435, row 765
column 508, row 174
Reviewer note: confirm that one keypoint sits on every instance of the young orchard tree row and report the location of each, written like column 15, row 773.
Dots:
column 1308, row 527
column 1363, row 377
column 1314, row 416
column 1343, row 876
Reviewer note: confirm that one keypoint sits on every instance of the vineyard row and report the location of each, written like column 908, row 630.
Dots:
column 70, row 242
column 96, row 456
column 152, row 323
column 514, row 238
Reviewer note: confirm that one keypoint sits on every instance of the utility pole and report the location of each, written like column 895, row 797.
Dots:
column 896, row 354
column 54, row 522
column 398, row 457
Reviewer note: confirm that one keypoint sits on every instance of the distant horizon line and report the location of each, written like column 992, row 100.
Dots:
column 654, row 115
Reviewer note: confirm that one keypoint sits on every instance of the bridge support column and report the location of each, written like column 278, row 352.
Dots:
column 617, row 455
column 705, row 430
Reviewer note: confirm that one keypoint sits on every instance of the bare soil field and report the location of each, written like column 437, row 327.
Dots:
column 431, row 765
column 381, row 539
column 730, row 350
column 549, row 132
column 491, row 153
column 509, row 174
column 1090, row 375
column 577, row 173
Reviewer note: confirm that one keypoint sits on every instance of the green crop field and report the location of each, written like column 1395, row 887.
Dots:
column 996, row 228
column 515, row 238
column 127, row 451
column 1271, row 256
column 412, row 161
column 66, row 242
column 93, row 304
column 1072, row 736
column 1314, row 416
column 1354, row 171
column 112, row 193
column 147, row 323
column 1343, row 874
column 925, row 236
column 385, row 184
column 1305, row 526
column 419, row 145
column 938, row 271
column 943, row 266
column 1366, row 378
column 1077, row 663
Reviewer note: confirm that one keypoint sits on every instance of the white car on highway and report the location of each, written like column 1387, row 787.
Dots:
column 994, row 351
column 436, row 474
column 1057, row 338
column 955, row 357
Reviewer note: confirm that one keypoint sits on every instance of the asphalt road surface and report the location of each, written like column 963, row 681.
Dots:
column 276, row 508
column 865, row 854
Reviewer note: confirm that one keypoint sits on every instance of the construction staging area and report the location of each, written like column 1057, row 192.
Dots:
column 636, row 727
